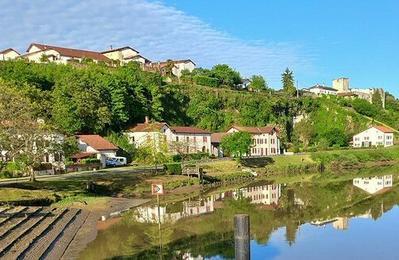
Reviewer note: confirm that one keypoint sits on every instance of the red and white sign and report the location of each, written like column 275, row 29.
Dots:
column 157, row 188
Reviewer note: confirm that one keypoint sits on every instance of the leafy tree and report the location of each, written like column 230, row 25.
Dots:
column 336, row 137
column 237, row 144
column 376, row 99
column 287, row 78
column 226, row 75
column 258, row 83
column 365, row 108
column 305, row 132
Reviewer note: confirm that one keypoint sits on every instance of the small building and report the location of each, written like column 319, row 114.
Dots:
column 245, row 84
column 265, row 140
column 46, row 53
column 322, row 90
column 341, row 84
column 125, row 54
column 171, row 66
column 146, row 132
column 95, row 145
column 374, row 136
column 8, row 54
column 216, row 139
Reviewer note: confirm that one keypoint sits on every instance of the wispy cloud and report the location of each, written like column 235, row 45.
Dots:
column 156, row 30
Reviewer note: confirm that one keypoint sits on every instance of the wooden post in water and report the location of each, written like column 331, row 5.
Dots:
column 241, row 237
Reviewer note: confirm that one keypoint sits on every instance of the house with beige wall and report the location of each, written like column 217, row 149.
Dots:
column 47, row 53
column 8, row 54
column 125, row 55
column 176, row 67
column 178, row 139
column 265, row 140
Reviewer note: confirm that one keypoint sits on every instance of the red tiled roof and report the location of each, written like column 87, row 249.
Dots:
column 383, row 129
column 148, row 127
column 97, row 142
column 8, row 50
column 82, row 155
column 189, row 130
column 256, row 130
column 217, row 137
column 74, row 53
column 120, row 49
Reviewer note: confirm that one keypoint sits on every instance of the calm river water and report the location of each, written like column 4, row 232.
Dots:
column 356, row 219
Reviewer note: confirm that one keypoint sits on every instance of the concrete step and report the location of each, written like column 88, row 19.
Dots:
column 58, row 247
column 42, row 243
column 17, row 219
column 8, row 214
column 21, row 246
column 18, row 233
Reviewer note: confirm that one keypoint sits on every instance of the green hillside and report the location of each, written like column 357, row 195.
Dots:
column 93, row 98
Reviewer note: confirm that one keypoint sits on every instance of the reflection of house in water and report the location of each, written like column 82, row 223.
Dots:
column 149, row 214
column 341, row 223
column 374, row 184
column 262, row 194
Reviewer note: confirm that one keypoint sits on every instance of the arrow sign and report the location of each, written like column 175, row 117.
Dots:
column 157, row 189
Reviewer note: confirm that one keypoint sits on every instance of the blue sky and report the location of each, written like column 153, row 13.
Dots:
column 319, row 40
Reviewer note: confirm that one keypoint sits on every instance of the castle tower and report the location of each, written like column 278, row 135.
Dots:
column 341, row 85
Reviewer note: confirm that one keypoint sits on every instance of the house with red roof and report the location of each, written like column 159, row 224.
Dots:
column 374, row 136
column 95, row 146
column 265, row 140
column 37, row 52
column 125, row 54
column 179, row 139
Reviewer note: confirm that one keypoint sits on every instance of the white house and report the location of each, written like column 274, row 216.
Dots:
column 322, row 90
column 125, row 55
column 95, row 145
column 36, row 52
column 374, row 184
column 8, row 54
column 176, row 66
column 265, row 140
column 179, row 139
column 374, row 136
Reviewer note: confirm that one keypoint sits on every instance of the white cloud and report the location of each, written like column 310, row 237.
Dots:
column 157, row 31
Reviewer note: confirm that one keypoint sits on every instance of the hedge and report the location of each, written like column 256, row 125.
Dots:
column 173, row 168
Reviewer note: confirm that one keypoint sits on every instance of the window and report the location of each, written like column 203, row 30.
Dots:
column 265, row 141
column 272, row 141
column 195, row 139
column 379, row 137
column 188, row 139
column 205, row 139
column 177, row 139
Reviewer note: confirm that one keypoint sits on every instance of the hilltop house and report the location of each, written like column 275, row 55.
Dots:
column 374, row 136
column 171, row 66
column 46, row 53
column 8, row 54
column 179, row 139
column 95, row 145
column 322, row 90
column 125, row 54
column 265, row 140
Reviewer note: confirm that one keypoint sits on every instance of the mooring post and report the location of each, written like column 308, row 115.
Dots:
column 241, row 237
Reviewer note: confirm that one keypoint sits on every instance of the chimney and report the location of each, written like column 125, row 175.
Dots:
column 146, row 120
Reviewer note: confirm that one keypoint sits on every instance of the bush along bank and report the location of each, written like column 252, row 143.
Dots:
column 355, row 159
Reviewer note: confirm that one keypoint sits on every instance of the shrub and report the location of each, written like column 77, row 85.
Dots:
column 90, row 161
column 206, row 81
column 173, row 168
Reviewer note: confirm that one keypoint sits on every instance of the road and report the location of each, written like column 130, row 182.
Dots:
column 122, row 170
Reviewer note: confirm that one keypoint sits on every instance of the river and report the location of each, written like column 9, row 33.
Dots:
column 351, row 219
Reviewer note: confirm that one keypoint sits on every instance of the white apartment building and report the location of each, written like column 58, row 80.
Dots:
column 125, row 54
column 265, row 140
column 374, row 184
column 374, row 136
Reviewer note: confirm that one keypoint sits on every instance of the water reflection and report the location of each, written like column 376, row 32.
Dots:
column 374, row 184
column 267, row 194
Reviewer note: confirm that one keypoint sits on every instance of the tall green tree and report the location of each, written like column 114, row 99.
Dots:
column 226, row 75
column 376, row 99
column 236, row 144
column 287, row 78
column 258, row 83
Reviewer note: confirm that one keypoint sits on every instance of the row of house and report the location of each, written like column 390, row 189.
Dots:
column 341, row 87
column 185, row 139
column 41, row 53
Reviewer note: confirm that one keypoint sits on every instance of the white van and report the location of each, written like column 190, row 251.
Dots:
column 115, row 161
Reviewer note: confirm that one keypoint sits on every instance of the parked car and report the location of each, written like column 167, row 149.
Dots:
column 115, row 161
